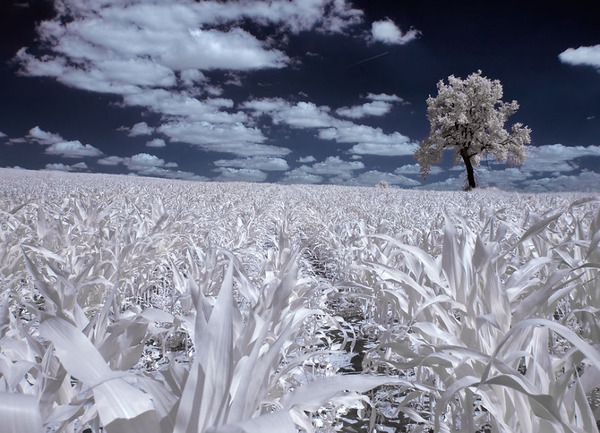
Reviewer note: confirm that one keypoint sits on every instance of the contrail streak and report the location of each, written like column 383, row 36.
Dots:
column 370, row 58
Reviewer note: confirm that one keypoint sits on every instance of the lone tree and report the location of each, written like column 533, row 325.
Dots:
column 469, row 116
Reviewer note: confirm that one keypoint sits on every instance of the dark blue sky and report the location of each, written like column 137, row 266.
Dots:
column 315, row 91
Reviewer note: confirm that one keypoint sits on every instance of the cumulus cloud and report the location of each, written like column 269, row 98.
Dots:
column 384, row 149
column 86, row 40
column 169, row 47
column 584, row 181
column 80, row 166
column 301, row 174
column 236, row 138
column 557, row 157
column 86, row 77
column 140, row 128
column 373, row 177
column 43, row 137
column 191, row 77
column 388, row 33
column 111, row 160
column 229, row 174
column 334, row 165
column 156, row 142
column 64, row 167
column 303, row 115
column 306, row 159
column 414, row 169
column 73, row 149
column 142, row 161
column 512, row 179
column 380, row 105
column 59, row 167
column 584, row 56
column 369, row 140
column 384, row 97
column 145, row 164
column 548, row 168
column 235, row 49
column 375, row 108
column 163, row 69
column 266, row 105
column 256, row 162
column 182, row 105
column 184, row 175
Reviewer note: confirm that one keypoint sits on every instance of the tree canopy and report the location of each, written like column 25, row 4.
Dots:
column 469, row 116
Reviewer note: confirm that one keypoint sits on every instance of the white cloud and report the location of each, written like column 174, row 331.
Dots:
column 306, row 159
column 140, row 128
column 388, row 33
column 155, row 48
column 229, row 174
column 384, row 149
column 585, row 56
column 548, row 168
column 301, row 174
column 191, row 77
column 373, row 177
column 2, row 134
column 80, row 166
column 73, row 149
column 375, row 108
column 111, row 160
column 384, row 97
column 185, row 175
column 308, row 115
column 18, row 140
column 237, row 139
column 414, row 169
column 142, row 161
column 43, row 137
column 181, row 105
column 169, row 45
column 150, row 165
column 303, row 115
column 556, row 157
column 235, row 49
column 59, row 167
column 370, row 141
column 86, row 39
column 255, row 162
column 63, row 167
column 136, row 71
column 169, row 174
column 584, row 181
column 266, row 105
column 85, row 77
column 156, row 142
column 334, row 165
column 380, row 105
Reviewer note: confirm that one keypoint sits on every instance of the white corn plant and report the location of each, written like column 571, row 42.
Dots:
column 167, row 306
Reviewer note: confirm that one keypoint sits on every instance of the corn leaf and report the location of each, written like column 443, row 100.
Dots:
column 19, row 413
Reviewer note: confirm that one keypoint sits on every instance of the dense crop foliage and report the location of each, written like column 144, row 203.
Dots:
column 145, row 305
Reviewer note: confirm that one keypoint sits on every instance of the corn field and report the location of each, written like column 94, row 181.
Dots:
column 144, row 305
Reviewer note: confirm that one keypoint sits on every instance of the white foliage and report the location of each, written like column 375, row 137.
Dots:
column 131, row 304
column 469, row 116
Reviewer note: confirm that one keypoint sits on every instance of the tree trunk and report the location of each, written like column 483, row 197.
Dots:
column 470, row 174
